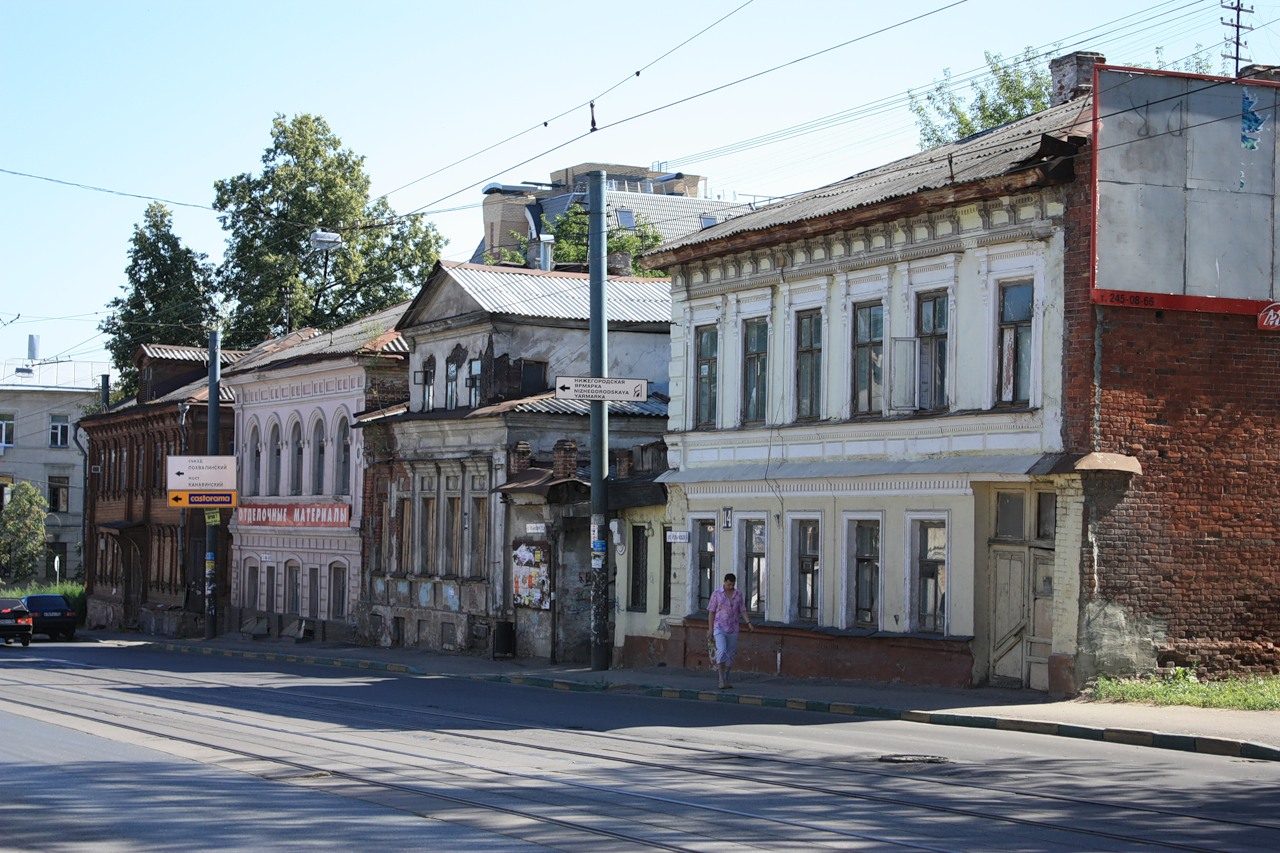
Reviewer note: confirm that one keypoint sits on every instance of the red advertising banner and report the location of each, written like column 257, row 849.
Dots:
column 1269, row 318
column 294, row 515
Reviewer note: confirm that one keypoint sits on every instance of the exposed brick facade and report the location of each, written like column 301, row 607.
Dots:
column 1187, row 552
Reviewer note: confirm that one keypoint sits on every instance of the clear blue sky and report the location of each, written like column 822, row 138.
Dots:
column 161, row 99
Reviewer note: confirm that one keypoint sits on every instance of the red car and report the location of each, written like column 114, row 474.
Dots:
column 15, row 621
column 51, row 615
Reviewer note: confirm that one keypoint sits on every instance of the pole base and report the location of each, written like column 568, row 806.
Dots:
column 599, row 657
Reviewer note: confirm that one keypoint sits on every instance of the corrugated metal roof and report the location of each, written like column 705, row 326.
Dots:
column 547, row 404
column 372, row 335
column 561, row 295
column 173, row 352
column 984, row 155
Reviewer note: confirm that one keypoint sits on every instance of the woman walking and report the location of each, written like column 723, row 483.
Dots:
column 726, row 607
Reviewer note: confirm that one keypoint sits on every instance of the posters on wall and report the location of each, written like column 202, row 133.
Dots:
column 530, row 576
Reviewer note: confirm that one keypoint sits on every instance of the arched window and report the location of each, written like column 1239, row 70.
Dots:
column 295, row 469
column 342, row 486
column 273, row 469
column 317, row 459
column 255, row 463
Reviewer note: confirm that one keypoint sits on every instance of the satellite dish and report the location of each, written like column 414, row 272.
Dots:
column 323, row 241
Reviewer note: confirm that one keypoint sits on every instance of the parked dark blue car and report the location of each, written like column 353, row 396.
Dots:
column 51, row 615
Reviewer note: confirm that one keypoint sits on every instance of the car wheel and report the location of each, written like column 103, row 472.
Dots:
column 26, row 641
column 69, row 635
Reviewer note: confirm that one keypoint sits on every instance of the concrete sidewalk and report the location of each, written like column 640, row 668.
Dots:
column 1244, row 734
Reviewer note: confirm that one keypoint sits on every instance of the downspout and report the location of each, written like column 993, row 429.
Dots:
column 84, row 507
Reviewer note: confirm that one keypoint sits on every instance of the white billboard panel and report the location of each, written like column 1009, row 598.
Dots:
column 1185, row 181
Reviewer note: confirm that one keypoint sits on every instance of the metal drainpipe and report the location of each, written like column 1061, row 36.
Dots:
column 84, row 503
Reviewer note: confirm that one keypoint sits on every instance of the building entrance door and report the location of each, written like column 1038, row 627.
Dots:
column 1009, row 606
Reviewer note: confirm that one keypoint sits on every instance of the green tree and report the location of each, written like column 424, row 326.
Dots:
column 168, row 297
column 570, row 232
column 22, row 532
column 1011, row 90
column 274, row 279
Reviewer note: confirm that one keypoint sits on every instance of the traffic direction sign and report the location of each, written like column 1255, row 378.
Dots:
column 202, row 499
column 601, row 388
column 201, row 473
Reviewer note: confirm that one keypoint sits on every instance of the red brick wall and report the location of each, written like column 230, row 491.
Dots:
column 1193, row 543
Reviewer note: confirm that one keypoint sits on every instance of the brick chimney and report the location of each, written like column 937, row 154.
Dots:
column 521, row 457
column 564, row 459
column 1072, row 75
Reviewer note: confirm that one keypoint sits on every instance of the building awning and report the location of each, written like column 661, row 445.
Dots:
column 977, row 467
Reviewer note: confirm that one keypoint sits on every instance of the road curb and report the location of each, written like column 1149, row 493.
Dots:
column 1131, row 737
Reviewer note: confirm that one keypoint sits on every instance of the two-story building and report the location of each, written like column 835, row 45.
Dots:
column 909, row 412
column 483, row 473
column 145, row 565
column 298, row 534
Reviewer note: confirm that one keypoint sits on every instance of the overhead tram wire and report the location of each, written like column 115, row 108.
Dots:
column 590, row 101
column 424, row 210
column 722, row 87
column 892, row 103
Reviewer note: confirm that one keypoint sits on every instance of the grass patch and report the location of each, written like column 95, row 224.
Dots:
column 1182, row 687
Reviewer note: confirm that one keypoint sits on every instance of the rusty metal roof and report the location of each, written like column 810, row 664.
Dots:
column 561, row 295
column 984, row 155
column 374, row 335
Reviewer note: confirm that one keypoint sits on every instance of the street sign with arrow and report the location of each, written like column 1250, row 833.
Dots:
column 601, row 388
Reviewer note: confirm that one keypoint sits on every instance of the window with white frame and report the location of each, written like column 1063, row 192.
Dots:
column 250, row 585
column 59, row 430
column 273, row 461
column 1014, row 347
column 638, row 600
column 805, row 558
column 931, row 334
column 6, row 429
column 337, row 591
column 704, row 539
column 868, row 358
column 293, row 587
column 707, row 342
column 753, row 563
column 59, row 494
column 755, row 368
column 255, row 462
column 929, row 575
column 474, row 366
column 295, row 468
column 451, row 386
column 808, row 365
column 863, row 548
column 342, row 484
column 317, row 459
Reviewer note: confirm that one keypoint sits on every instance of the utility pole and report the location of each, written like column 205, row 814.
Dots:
column 1237, row 44
column 212, row 418
column 596, row 252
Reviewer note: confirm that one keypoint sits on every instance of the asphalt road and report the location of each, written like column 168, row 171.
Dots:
column 111, row 748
